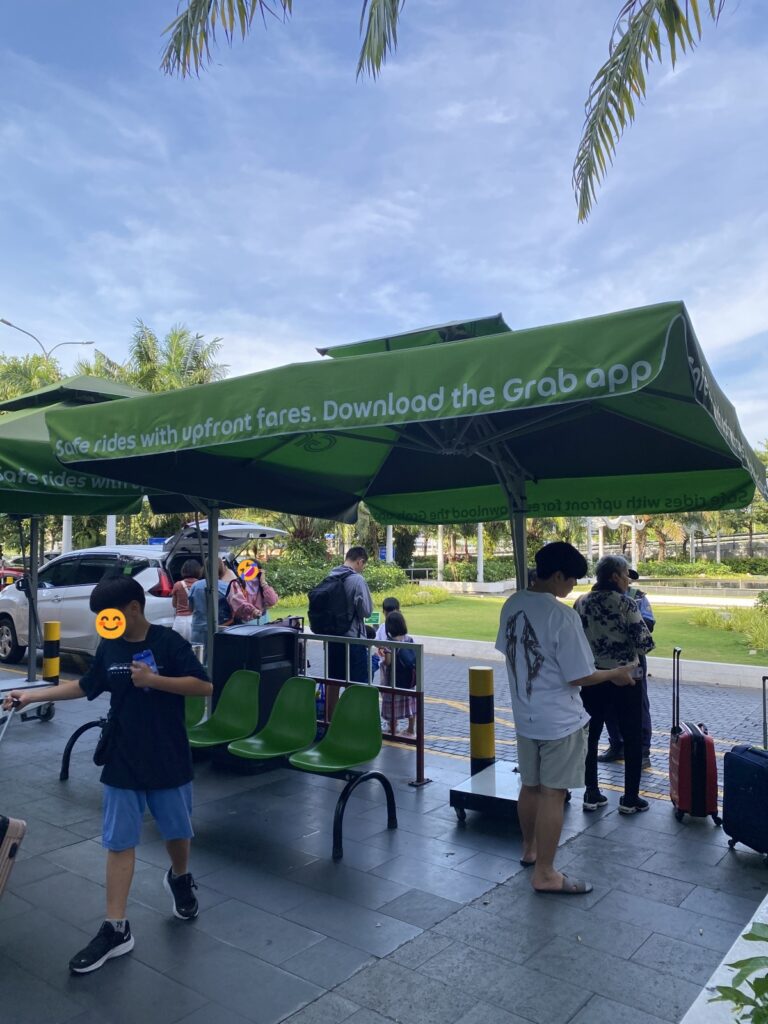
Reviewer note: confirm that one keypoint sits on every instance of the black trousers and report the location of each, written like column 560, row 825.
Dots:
column 626, row 702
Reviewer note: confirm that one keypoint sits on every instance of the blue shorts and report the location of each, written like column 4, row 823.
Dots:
column 124, row 811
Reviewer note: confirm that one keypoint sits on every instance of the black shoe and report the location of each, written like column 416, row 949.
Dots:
column 646, row 760
column 106, row 944
column 611, row 754
column 593, row 799
column 636, row 806
column 184, row 900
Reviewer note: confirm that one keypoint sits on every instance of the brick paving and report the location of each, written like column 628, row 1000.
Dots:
column 732, row 715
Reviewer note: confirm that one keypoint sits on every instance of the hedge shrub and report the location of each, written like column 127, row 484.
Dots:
column 290, row 576
column 733, row 567
column 494, row 570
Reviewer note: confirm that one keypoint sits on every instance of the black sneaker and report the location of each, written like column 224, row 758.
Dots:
column 636, row 806
column 611, row 754
column 184, row 900
column 106, row 944
column 593, row 799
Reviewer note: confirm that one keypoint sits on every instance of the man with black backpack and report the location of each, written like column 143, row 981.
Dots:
column 339, row 606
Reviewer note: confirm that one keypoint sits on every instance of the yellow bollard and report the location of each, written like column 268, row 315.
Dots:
column 482, row 739
column 51, row 659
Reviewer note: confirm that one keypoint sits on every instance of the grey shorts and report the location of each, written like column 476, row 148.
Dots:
column 556, row 764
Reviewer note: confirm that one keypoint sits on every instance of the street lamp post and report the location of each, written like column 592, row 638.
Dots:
column 46, row 353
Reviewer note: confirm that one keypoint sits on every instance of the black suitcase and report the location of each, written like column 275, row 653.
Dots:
column 745, row 791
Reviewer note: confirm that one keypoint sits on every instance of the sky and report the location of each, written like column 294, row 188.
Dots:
column 281, row 204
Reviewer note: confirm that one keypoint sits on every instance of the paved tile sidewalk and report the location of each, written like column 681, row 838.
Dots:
column 433, row 922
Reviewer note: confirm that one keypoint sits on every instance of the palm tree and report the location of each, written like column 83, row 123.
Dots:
column 639, row 33
column 642, row 28
column 22, row 374
column 178, row 361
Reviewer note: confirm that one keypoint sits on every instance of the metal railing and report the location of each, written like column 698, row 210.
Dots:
column 335, row 684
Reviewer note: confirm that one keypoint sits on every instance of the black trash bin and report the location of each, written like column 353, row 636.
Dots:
column 272, row 651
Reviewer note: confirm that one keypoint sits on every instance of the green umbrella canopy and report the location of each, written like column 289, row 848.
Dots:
column 32, row 481
column 458, row 330
column 607, row 415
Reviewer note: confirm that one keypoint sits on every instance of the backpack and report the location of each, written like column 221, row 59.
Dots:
column 239, row 604
column 405, row 669
column 328, row 606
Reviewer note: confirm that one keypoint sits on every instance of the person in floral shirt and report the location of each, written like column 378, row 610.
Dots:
column 617, row 636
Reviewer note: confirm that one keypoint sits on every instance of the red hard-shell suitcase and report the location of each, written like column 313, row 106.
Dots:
column 11, row 833
column 692, row 762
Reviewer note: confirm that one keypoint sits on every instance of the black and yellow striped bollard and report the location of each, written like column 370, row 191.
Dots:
column 482, row 739
column 51, row 659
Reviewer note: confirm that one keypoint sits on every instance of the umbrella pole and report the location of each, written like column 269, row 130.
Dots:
column 213, row 583
column 32, row 628
column 211, row 566
column 514, row 488
column 517, row 521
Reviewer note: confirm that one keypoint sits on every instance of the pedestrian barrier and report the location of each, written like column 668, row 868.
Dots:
column 334, row 685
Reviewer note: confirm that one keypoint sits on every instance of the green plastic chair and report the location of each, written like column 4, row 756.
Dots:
column 235, row 715
column 353, row 738
column 292, row 723
column 194, row 711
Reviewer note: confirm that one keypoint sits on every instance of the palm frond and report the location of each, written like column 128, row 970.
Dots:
column 193, row 31
column 380, row 34
column 641, row 29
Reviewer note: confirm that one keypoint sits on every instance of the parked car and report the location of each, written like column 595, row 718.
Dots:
column 65, row 583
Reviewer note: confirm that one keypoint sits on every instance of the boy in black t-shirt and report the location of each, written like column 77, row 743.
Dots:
column 148, row 762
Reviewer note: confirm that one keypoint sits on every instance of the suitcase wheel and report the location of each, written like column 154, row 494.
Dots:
column 717, row 820
column 679, row 815
column 732, row 843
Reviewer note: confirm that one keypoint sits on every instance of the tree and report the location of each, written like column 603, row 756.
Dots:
column 180, row 360
column 305, row 540
column 641, row 30
column 22, row 374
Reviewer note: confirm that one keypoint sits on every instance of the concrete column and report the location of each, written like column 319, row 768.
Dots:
column 717, row 548
column 111, row 529
column 440, row 553
column 600, row 540
column 634, row 545
column 390, row 546
column 589, row 539
column 66, row 534
column 480, row 553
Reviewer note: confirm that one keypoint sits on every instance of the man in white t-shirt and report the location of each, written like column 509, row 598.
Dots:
column 548, row 659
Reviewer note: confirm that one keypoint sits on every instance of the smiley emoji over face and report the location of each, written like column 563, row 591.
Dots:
column 110, row 624
column 247, row 569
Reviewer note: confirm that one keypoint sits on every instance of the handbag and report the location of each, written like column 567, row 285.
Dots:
column 270, row 595
column 106, row 742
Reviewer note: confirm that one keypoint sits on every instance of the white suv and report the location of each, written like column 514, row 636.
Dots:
column 65, row 583
column 64, row 588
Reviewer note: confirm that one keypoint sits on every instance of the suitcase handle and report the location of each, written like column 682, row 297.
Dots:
column 9, row 716
column 765, row 714
column 676, row 652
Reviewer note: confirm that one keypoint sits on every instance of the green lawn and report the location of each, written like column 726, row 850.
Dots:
column 477, row 618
